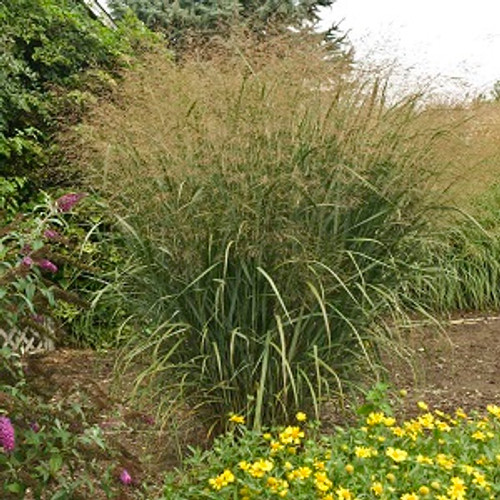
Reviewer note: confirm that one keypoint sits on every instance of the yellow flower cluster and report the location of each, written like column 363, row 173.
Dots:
column 222, row 480
column 434, row 456
column 426, row 422
column 376, row 418
column 258, row 468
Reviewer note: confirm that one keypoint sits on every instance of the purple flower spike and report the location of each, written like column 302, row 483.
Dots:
column 50, row 234
column 47, row 265
column 66, row 202
column 125, row 477
column 7, row 434
column 27, row 261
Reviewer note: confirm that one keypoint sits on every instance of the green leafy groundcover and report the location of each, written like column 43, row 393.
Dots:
column 48, row 450
column 432, row 456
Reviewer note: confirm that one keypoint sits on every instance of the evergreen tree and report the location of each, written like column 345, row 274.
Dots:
column 206, row 17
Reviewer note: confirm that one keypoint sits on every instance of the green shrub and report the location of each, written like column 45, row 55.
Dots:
column 49, row 52
column 52, row 258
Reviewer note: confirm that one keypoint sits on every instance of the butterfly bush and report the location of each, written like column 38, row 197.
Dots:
column 66, row 202
column 30, row 249
column 7, row 434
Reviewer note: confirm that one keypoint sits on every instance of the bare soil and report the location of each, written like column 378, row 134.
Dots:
column 457, row 368
column 460, row 368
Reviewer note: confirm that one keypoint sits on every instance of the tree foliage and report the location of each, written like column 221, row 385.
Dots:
column 47, row 49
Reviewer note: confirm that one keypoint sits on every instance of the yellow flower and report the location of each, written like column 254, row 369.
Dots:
column 398, row 431
column 426, row 421
column 410, row 496
column 443, row 426
column 275, row 447
column 244, row 465
column 377, row 488
column 459, row 413
column 375, row 418
column 468, row 469
column 436, row 485
column 301, row 416
column 277, row 485
column 424, row 490
column 494, row 410
column 403, row 393
column 479, row 436
column 260, row 467
column 423, row 406
column 322, row 482
column 343, row 494
column 300, row 473
column 445, row 461
column 480, row 480
column 482, row 424
column 267, row 436
column 390, row 477
column 272, row 482
column 389, row 421
column 222, row 480
column 421, row 459
column 237, row 419
column 350, row 469
column 365, row 451
column 457, row 490
column 396, row 454
column 291, row 435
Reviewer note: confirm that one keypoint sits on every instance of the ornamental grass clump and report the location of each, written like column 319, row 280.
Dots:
column 435, row 456
column 273, row 211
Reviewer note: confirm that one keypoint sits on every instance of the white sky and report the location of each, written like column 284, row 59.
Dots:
column 454, row 42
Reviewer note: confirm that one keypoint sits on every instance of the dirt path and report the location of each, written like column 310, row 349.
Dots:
column 460, row 368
